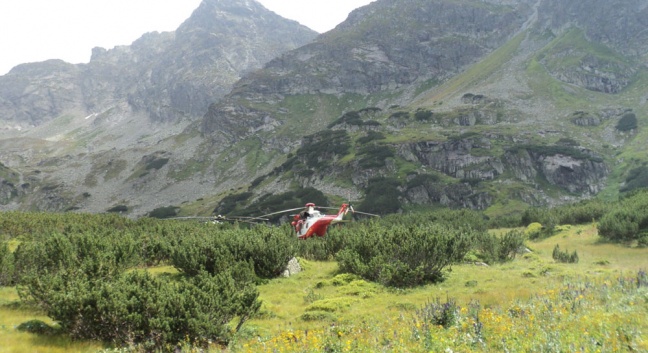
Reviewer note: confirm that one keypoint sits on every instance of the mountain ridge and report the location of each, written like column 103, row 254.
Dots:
column 495, row 105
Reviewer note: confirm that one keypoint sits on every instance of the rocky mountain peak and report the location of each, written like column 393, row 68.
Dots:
column 464, row 103
column 167, row 76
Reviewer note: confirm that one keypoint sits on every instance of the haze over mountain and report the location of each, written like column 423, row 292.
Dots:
column 496, row 105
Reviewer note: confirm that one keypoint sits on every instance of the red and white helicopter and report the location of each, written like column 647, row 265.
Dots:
column 311, row 222
column 307, row 223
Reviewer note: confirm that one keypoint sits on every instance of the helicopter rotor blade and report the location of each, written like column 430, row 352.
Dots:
column 351, row 209
column 280, row 212
column 367, row 214
column 188, row 217
column 247, row 218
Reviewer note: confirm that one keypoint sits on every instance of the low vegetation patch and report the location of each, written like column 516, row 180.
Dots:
column 628, row 122
column 86, row 277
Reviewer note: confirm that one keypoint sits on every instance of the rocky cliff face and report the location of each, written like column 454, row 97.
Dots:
column 387, row 53
column 570, row 169
column 384, row 47
column 166, row 75
column 32, row 93
column 461, row 103
column 617, row 24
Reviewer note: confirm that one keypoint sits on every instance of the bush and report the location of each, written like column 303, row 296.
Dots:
column 382, row 196
column 147, row 311
column 323, row 248
column 37, row 327
column 437, row 313
column 267, row 249
column 627, row 220
column 620, row 225
column 643, row 241
column 164, row 212
column 564, row 256
column 423, row 115
column 157, row 163
column 228, row 203
column 627, row 122
column 319, row 149
column 637, row 178
column 500, row 249
column 118, row 209
column 371, row 136
column 374, row 156
column 404, row 255
column 6, row 265
column 80, row 281
column 99, row 256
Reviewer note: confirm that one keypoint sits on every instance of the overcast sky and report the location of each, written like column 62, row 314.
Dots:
column 38, row 30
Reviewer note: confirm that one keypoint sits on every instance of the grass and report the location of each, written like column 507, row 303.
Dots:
column 285, row 300
column 321, row 309
column 475, row 73
column 13, row 313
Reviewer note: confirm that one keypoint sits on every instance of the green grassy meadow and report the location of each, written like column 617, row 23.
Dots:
column 529, row 304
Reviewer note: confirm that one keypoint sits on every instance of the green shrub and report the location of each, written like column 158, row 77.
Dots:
column 157, row 163
column 118, row 209
column 423, row 115
column 318, row 316
column 627, row 122
column 197, row 253
column 322, row 248
column 80, row 281
column 140, row 309
column 164, row 212
column 99, row 256
column 6, row 265
column 564, row 256
column 374, row 156
column 319, row 149
column 500, row 249
column 404, row 255
column 423, row 180
column 643, row 241
column 437, row 313
column 637, row 178
column 620, row 225
column 228, row 203
column 627, row 220
column 371, row 136
column 37, row 327
column 382, row 196
column 154, row 249
column 268, row 249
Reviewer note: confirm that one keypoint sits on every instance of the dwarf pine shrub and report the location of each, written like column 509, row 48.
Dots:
column 81, row 282
column 564, row 256
column 6, row 265
column 403, row 255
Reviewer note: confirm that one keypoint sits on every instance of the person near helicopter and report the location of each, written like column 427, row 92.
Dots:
column 309, row 212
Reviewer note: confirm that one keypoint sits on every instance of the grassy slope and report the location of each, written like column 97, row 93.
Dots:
column 357, row 302
column 362, row 306
column 521, row 278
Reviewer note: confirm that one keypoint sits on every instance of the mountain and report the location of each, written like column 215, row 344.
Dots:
column 496, row 105
column 489, row 104
column 129, row 97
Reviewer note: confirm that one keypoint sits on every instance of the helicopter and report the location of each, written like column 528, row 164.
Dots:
column 306, row 224
column 311, row 222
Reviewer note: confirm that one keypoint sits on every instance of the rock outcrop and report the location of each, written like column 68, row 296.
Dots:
column 370, row 53
column 168, row 76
